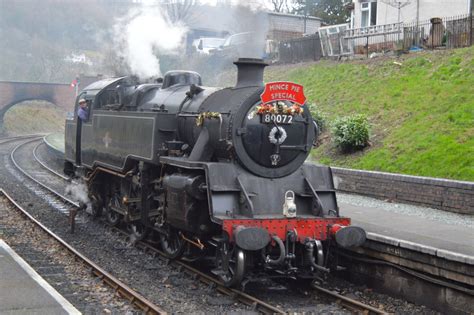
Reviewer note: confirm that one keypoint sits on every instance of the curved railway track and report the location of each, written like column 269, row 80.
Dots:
column 14, row 138
column 44, row 165
column 241, row 296
column 37, row 181
column 125, row 291
column 121, row 288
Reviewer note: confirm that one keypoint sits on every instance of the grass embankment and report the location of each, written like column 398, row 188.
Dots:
column 32, row 117
column 420, row 107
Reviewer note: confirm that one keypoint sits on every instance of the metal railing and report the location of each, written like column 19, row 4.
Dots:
column 306, row 48
column 385, row 29
column 447, row 32
column 337, row 40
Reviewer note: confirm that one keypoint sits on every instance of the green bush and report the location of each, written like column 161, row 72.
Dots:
column 320, row 119
column 351, row 132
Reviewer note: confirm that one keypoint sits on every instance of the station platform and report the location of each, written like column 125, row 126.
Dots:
column 23, row 291
column 55, row 143
column 435, row 235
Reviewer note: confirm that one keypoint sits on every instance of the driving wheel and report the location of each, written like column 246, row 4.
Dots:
column 171, row 243
column 233, row 267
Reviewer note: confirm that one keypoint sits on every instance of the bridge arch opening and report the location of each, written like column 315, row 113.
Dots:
column 32, row 116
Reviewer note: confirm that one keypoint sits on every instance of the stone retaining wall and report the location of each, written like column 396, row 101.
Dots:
column 449, row 195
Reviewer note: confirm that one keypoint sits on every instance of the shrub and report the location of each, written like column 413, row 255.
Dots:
column 320, row 119
column 351, row 132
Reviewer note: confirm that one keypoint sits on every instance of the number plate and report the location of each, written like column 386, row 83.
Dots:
column 278, row 118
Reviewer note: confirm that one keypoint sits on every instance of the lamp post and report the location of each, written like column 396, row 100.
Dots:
column 304, row 18
column 471, row 14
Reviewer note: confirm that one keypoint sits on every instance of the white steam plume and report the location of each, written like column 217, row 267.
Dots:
column 78, row 192
column 143, row 35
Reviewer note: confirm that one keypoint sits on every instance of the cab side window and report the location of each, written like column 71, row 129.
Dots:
column 77, row 106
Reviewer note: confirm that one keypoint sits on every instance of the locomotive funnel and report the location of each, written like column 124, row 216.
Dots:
column 249, row 72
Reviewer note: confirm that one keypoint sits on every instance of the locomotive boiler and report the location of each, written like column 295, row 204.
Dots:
column 215, row 173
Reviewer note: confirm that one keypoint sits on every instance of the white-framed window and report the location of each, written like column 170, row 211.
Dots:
column 368, row 13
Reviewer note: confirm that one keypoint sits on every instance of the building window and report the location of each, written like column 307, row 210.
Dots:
column 368, row 14
column 373, row 13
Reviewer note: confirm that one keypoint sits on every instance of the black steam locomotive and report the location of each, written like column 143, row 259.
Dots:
column 210, row 173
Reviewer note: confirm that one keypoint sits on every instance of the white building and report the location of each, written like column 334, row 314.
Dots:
column 283, row 26
column 366, row 13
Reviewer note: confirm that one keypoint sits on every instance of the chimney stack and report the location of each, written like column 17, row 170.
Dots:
column 249, row 72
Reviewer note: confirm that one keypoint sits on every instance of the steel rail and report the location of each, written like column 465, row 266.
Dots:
column 35, row 155
column 259, row 305
column 13, row 138
column 121, row 288
column 12, row 158
column 243, row 297
column 349, row 303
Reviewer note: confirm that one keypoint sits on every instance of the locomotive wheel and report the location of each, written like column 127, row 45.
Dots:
column 113, row 218
column 233, row 267
column 172, row 244
column 138, row 230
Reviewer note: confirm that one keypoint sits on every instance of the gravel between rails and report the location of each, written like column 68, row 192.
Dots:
column 178, row 293
column 68, row 276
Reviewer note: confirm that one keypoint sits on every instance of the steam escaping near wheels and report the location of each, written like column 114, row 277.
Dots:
column 78, row 192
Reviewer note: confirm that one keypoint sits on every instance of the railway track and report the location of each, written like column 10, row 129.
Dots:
column 241, row 296
column 5, row 140
column 258, row 305
column 54, row 191
column 120, row 287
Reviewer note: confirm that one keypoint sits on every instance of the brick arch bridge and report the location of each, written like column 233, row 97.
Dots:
column 11, row 93
column 62, row 95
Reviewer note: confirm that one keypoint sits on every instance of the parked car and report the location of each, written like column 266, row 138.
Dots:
column 204, row 45
column 241, row 45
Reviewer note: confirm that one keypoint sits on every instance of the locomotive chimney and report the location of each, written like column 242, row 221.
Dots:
column 249, row 72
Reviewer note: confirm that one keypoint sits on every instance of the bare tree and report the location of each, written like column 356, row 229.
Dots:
column 178, row 10
column 282, row 6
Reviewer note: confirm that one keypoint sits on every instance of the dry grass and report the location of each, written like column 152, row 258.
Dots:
column 32, row 117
